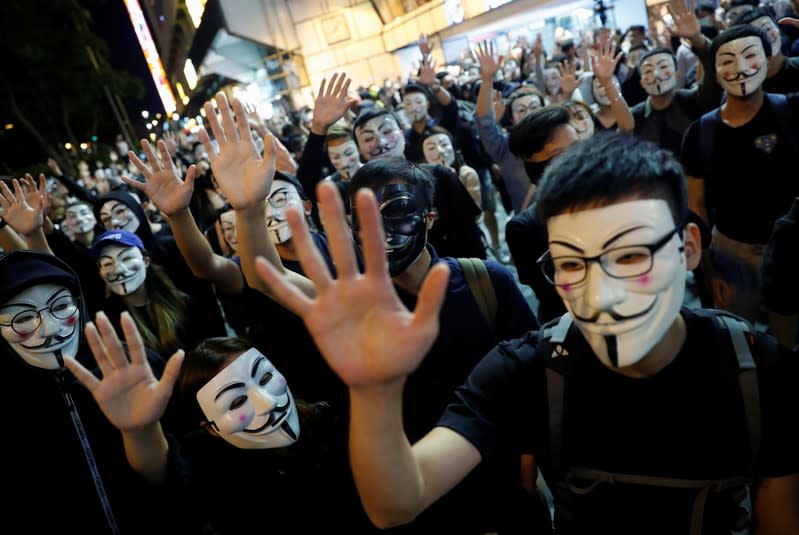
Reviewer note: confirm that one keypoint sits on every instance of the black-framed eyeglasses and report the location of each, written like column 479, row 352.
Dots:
column 25, row 322
column 620, row 262
column 280, row 198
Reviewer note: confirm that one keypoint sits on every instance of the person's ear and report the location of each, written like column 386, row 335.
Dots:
column 692, row 245
column 307, row 207
column 210, row 428
column 147, row 260
column 432, row 215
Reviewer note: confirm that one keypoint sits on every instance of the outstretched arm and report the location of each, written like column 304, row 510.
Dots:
column 603, row 65
column 245, row 178
column 373, row 342
column 172, row 196
column 128, row 393
column 24, row 209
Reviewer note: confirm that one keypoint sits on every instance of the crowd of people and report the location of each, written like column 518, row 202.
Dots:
column 315, row 327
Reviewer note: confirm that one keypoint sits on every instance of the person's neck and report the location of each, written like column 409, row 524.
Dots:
column 661, row 355
column 737, row 111
column 420, row 125
column 137, row 298
column 606, row 116
column 775, row 64
column 411, row 279
column 661, row 102
column 287, row 251
column 86, row 238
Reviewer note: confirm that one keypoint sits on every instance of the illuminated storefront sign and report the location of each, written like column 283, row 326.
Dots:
column 151, row 55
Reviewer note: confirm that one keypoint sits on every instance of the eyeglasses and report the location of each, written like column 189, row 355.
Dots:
column 620, row 263
column 280, row 198
column 27, row 321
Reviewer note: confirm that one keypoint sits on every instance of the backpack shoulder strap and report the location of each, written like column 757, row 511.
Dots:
column 740, row 333
column 557, row 360
column 785, row 118
column 482, row 288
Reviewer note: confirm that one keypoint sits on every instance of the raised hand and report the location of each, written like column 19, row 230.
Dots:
column 128, row 393
column 244, row 176
column 567, row 73
column 53, row 165
column 427, row 71
column 538, row 47
column 23, row 212
column 364, row 331
column 499, row 104
column 331, row 103
column 686, row 23
column 488, row 60
column 163, row 186
column 425, row 46
column 604, row 63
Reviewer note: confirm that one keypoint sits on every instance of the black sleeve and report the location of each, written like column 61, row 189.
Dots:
column 781, row 264
column 690, row 152
column 449, row 116
column 76, row 189
column 309, row 170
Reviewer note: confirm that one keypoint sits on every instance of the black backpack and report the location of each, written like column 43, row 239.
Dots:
column 732, row 332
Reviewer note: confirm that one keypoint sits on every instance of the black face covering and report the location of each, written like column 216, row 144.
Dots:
column 404, row 222
column 535, row 170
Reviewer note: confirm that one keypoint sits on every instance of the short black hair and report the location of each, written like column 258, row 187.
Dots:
column 370, row 113
column 413, row 87
column 375, row 174
column 611, row 167
column 536, row 130
column 525, row 91
column 738, row 32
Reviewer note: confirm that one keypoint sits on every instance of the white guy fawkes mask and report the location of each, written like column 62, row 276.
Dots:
column 345, row 158
column 581, row 121
column 282, row 195
column 600, row 95
column 552, row 81
column 380, row 137
column 250, row 404
column 772, row 31
column 658, row 75
column 42, row 325
column 227, row 222
column 524, row 106
column 80, row 218
column 122, row 268
column 438, row 149
column 416, row 105
column 117, row 215
column 741, row 66
column 625, row 315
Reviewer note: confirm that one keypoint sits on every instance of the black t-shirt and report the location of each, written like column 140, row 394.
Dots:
column 786, row 80
column 666, row 127
column 752, row 183
column 687, row 421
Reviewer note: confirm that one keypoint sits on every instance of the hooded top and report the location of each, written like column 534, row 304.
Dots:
column 49, row 478
column 131, row 201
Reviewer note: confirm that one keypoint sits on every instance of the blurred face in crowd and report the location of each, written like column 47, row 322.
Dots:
column 380, row 137
column 80, row 218
column 438, row 149
column 731, row 14
column 227, row 223
column 600, row 95
column 249, row 404
column 523, row 106
column 581, row 121
column 773, row 32
column 634, row 57
column 41, row 324
column 416, row 105
column 658, row 74
column 117, row 215
column 741, row 66
column 122, row 268
column 343, row 154
column 552, row 81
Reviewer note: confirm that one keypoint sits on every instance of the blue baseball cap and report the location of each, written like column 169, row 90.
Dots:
column 118, row 237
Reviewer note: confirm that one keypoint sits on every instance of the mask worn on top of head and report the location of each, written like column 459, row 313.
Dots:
column 282, row 195
column 404, row 222
column 42, row 325
column 658, row 74
column 621, row 316
column 741, row 65
column 250, row 404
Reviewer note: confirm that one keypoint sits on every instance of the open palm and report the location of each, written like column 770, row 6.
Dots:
column 364, row 331
column 332, row 102
column 604, row 63
column 489, row 62
column 128, row 394
column 163, row 187
column 23, row 213
column 243, row 175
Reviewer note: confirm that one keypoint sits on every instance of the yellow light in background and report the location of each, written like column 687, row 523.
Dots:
column 185, row 100
column 195, row 9
column 202, row 112
column 145, row 114
column 175, row 116
column 68, row 146
column 149, row 126
column 152, row 137
column 190, row 73
column 84, row 146
column 151, row 55
column 9, row 126
column 181, row 92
